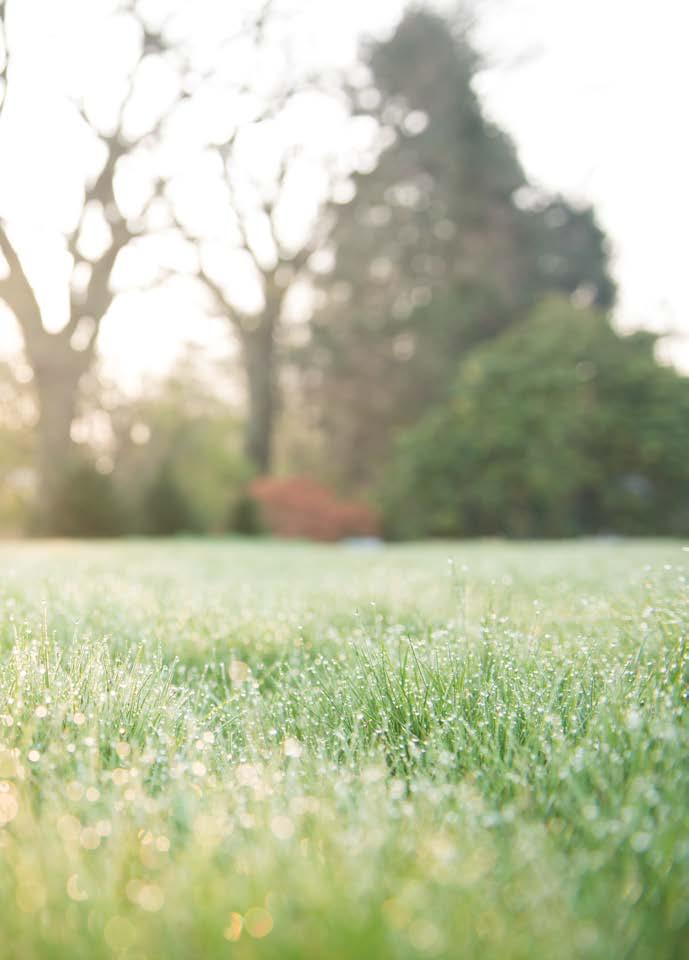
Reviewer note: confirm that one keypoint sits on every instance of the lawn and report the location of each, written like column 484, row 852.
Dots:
column 230, row 749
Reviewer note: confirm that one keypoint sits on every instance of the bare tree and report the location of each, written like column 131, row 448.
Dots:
column 253, row 204
column 276, row 262
column 258, row 332
column 60, row 359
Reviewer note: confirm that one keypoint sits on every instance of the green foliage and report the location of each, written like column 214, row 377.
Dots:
column 167, row 510
column 86, row 504
column 173, row 458
column 567, row 251
column 558, row 427
column 179, row 462
column 245, row 518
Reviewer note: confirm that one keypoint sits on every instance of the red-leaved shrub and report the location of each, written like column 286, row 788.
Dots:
column 300, row 507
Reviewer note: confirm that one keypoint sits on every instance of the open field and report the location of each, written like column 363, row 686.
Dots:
column 271, row 750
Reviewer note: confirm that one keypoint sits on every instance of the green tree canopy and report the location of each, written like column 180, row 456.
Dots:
column 559, row 426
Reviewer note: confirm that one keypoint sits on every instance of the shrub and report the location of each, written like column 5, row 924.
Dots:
column 300, row 507
column 245, row 517
column 558, row 427
column 86, row 504
column 178, row 457
column 166, row 507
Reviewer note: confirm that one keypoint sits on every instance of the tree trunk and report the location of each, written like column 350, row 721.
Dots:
column 57, row 367
column 56, row 377
column 258, row 348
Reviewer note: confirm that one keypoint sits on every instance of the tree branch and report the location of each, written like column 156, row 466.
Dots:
column 17, row 291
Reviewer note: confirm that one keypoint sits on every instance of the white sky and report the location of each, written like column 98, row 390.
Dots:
column 599, row 111
column 593, row 92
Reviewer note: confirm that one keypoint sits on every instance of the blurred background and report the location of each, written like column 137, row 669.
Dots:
column 340, row 271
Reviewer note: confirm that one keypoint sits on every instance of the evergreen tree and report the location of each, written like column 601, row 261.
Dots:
column 443, row 244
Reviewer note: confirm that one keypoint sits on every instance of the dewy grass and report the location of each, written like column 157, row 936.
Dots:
column 263, row 750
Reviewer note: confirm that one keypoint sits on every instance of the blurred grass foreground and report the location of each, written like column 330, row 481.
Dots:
column 262, row 750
